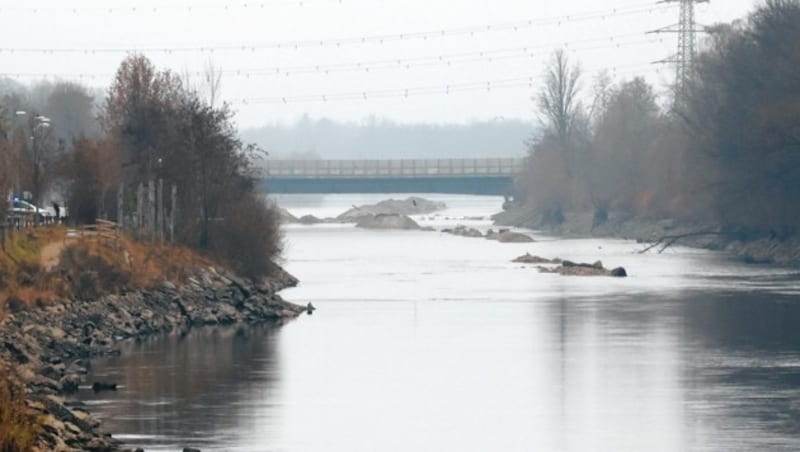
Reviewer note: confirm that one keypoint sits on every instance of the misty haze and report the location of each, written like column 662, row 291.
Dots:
column 343, row 225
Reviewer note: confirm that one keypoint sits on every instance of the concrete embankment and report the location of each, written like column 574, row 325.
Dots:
column 662, row 233
column 50, row 348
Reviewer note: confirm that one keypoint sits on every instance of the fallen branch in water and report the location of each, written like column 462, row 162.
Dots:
column 668, row 240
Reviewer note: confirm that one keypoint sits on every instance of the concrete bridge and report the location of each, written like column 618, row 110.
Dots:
column 488, row 176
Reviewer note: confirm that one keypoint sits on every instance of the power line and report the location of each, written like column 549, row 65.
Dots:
column 451, row 88
column 487, row 56
column 155, row 8
column 367, row 39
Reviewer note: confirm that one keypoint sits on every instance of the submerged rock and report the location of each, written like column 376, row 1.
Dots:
column 387, row 221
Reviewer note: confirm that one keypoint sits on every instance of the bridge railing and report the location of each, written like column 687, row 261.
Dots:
column 488, row 167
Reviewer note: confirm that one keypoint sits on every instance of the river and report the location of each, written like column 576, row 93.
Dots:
column 424, row 341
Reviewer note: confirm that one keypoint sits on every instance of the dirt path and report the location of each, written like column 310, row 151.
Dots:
column 50, row 255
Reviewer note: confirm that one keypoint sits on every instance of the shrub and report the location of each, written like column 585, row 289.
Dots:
column 248, row 237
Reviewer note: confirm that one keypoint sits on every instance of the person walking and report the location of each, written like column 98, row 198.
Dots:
column 57, row 208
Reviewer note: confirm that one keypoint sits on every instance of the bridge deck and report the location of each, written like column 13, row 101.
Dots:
column 392, row 169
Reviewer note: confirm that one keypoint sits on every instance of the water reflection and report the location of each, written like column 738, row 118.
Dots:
column 429, row 342
column 200, row 389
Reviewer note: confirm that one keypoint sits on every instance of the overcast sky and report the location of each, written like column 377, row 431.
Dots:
column 598, row 36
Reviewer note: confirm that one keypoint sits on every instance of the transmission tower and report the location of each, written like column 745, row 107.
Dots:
column 686, row 28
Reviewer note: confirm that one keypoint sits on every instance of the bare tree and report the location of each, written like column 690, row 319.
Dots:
column 212, row 80
column 558, row 99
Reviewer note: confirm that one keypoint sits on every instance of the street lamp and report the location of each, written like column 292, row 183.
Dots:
column 37, row 124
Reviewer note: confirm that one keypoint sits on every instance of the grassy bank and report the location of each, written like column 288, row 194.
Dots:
column 40, row 267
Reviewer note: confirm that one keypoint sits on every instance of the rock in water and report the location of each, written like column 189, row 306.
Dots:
column 515, row 237
column 309, row 219
column 99, row 386
column 387, row 221
column 287, row 217
column 527, row 258
column 569, row 268
column 408, row 206
column 506, row 236
column 463, row 231
column 619, row 272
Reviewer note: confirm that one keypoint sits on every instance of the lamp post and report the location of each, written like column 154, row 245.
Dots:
column 38, row 124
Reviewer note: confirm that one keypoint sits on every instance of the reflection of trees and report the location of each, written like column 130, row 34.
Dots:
column 741, row 360
column 188, row 388
column 716, row 370
column 744, row 321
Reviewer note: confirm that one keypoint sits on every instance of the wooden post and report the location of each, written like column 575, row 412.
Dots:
column 140, row 206
column 120, row 209
column 151, row 207
column 173, row 213
column 161, row 222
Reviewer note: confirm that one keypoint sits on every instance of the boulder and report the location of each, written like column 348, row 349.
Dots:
column 619, row 272
column 388, row 221
column 69, row 383
column 506, row 236
column 409, row 206
column 569, row 268
column 309, row 220
column 99, row 386
column 286, row 216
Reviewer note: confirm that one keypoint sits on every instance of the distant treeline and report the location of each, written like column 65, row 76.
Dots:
column 384, row 139
column 725, row 153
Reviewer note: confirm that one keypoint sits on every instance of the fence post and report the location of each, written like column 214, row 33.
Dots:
column 140, row 206
column 160, row 208
column 173, row 213
column 120, row 207
column 151, row 207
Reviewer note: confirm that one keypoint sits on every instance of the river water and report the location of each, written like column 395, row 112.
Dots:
column 424, row 341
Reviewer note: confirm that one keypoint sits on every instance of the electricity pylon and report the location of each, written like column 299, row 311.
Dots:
column 686, row 28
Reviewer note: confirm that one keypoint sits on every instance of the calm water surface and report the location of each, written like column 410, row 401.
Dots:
column 430, row 342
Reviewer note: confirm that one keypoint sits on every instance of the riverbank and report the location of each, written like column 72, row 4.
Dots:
column 662, row 234
column 48, row 349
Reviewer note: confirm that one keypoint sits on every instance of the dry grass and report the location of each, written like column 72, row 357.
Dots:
column 88, row 266
column 22, row 281
column 18, row 428
column 141, row 264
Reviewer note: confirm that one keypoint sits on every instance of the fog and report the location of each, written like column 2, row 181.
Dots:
column 376, row 138
column 86, row 40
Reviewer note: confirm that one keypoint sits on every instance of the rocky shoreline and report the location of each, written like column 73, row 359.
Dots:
column 50, row 347
column 663, row 232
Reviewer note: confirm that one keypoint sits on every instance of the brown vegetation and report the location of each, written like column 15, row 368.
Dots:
column 87, row 266
column 18, row 428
